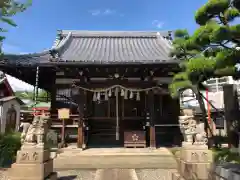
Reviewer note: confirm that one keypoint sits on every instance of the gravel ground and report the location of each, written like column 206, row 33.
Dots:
column 76, row 175
column 109, row 174
column 116, row 174
column 153, row 174
column 3, row 175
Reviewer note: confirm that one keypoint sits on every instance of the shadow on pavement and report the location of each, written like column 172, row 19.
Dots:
column 72, row 177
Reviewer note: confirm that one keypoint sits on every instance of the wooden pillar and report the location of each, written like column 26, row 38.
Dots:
column 80, row 133
column 63, row 142
column 152, row 133
column 53, row 92
column 82, row 114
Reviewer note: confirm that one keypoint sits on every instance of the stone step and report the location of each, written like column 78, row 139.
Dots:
column 119, row 161
column 118, row 174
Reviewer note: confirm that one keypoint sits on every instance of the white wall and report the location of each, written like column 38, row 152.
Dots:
column 216, row 98
column 7, row 105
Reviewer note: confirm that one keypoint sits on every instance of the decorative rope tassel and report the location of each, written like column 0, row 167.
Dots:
column 138, row 96
column 126, row 94
column 94, row 96
column 110, row 93
column 122, row 92
column 131, row 95
column 98, row 96
column 106, row 96
column 116, row 91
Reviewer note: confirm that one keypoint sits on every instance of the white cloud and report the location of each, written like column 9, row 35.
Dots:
column 108, row 11
column 18, row 85
column 103, row 12
column 95, row 12
column 158, row 24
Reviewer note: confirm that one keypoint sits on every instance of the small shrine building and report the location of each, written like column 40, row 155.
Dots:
column 114, row 83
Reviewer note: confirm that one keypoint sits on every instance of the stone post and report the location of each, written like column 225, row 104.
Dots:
column 33, row 160
column 195, row 162
column 195, row 159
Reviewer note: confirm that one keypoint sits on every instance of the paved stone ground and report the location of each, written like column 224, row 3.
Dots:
column 104, row 158
column 113, row 174
column 3, row 175
column 109, row 174
column 153, row 174
column 116, row 174
column 77, row 175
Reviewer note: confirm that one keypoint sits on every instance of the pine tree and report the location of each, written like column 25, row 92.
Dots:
column 213, row 50
column 9, row 8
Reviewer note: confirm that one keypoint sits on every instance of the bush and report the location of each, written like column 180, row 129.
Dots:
column 225, row 155
column 10, row 143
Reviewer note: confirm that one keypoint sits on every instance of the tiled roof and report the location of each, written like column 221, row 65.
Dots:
column 107, row 47
column 27, row 59
column 103, row 47
column 9, row 98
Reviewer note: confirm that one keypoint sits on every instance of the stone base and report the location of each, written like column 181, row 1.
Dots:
column 196, row 154
column 200, row 171
column 195, row 162
column 32, row 156
column 31, row 171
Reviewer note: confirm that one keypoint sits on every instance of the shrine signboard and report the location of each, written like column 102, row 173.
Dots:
column 63, row 113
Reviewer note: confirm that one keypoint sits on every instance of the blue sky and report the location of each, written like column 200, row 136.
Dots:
column 37, row 26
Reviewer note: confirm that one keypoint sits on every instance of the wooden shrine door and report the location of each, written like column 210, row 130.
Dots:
column 105, row 123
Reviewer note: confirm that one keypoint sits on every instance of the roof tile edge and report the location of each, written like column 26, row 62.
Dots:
column 83, row 33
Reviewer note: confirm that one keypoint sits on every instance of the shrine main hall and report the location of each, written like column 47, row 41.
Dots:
column 114, row 83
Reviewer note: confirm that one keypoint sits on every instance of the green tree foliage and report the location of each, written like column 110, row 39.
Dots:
column 9, row 8
column 10, row 143
column 211, row 51
column 42, row 95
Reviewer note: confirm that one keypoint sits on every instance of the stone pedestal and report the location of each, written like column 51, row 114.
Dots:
column 33, row 163
column 195, row 162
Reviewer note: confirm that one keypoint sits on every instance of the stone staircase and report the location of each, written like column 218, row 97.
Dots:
column 115, row 158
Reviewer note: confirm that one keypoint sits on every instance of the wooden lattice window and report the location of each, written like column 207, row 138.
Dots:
column 11, row 119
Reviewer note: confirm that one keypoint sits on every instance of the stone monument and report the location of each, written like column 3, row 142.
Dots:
column 195, row 158
column 33, row 160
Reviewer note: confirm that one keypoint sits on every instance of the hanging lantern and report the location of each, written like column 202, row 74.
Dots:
column 138, row 96
column 122, row 92
column 131, row 95
column 106, row 96
column 126, row 94
column 110, row 93
column 94, row 97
